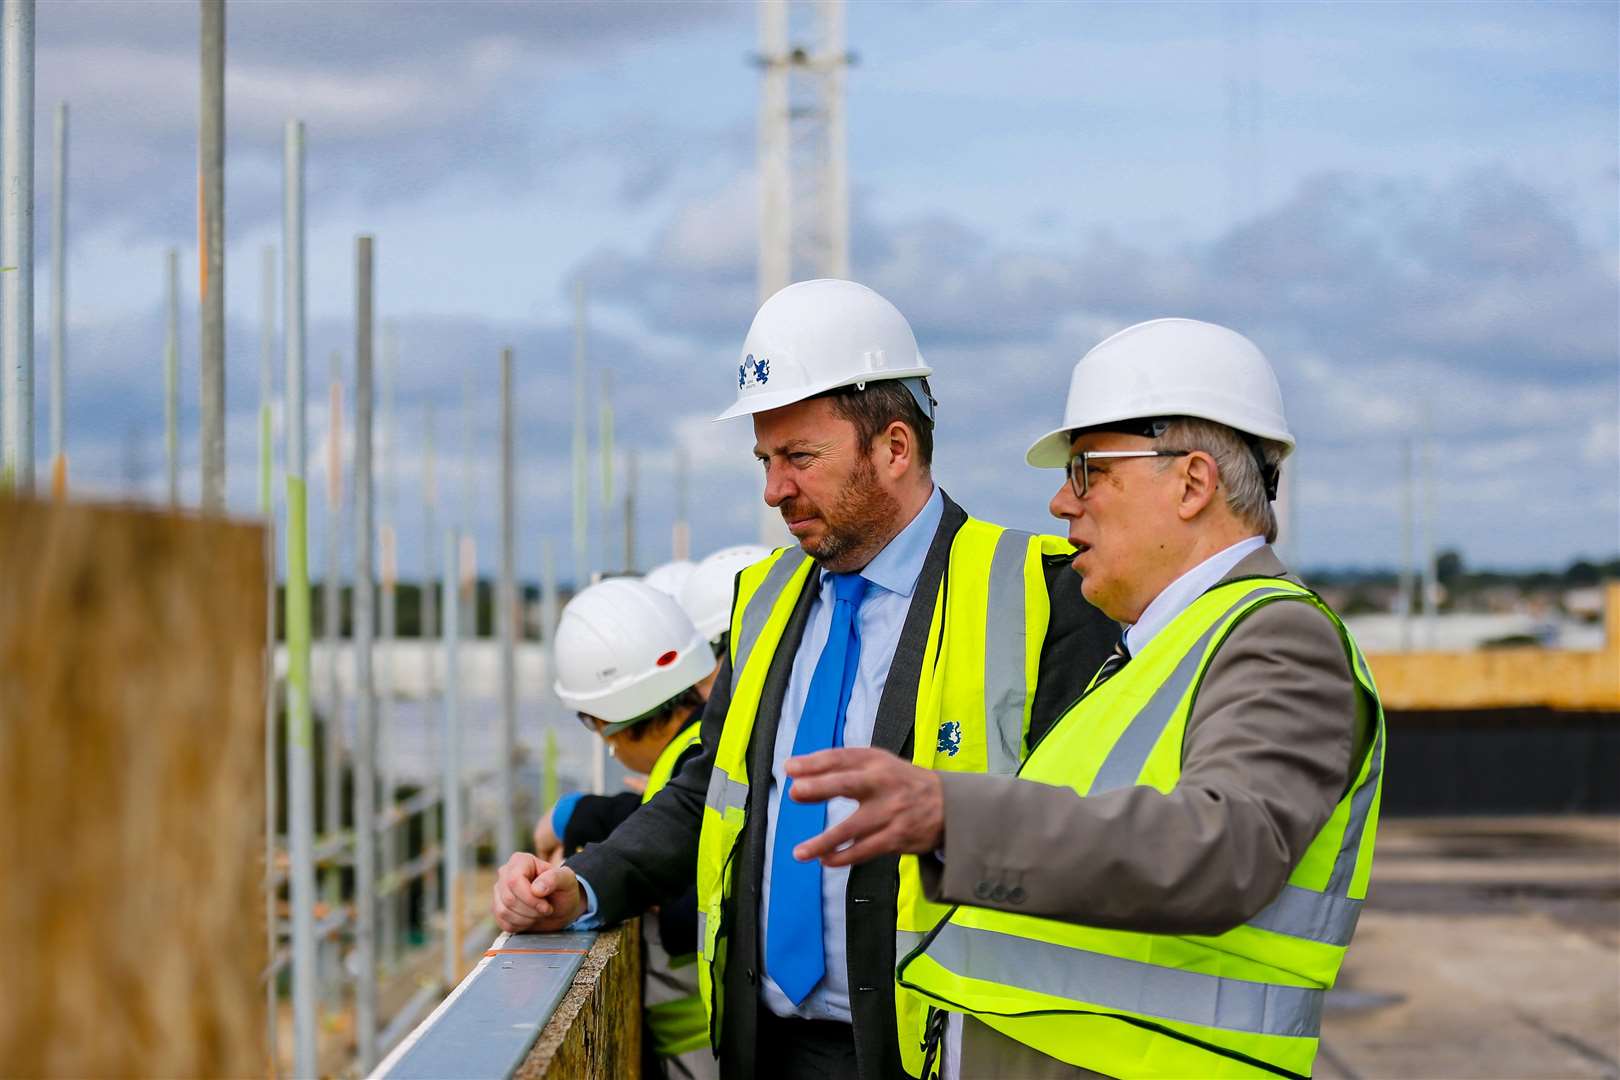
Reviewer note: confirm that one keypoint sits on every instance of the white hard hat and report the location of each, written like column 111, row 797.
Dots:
column 1170, row 367
column 623, row 649
column 706, row 597
column 819, row 335
column 668, row 578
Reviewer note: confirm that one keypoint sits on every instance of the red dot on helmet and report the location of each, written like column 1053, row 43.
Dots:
column 667, row 659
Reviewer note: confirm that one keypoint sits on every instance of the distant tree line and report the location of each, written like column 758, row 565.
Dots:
column 409, row 610
column 1359, row 591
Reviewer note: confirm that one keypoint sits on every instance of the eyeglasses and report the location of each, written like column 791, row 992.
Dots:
column 1080, row 464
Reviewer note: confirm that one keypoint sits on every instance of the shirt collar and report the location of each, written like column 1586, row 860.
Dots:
column 1180, row 593
column 898, row 566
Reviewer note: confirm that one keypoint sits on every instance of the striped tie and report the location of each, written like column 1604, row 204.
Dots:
column 1111, row 666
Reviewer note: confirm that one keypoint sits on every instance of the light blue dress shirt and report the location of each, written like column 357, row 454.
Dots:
column 893, row 573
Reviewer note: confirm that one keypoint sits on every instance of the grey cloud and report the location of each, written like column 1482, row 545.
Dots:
column 399, row 98
column 1473, row 313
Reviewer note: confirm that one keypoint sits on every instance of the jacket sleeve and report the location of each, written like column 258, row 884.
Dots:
column 653, row 854
column 596, row 816
column 1266, row 757
column 1078, row 639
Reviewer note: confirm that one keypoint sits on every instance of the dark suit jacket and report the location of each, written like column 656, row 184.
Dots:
column 655, row 850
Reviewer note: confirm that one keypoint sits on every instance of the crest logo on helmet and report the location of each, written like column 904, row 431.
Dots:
column 752, row 372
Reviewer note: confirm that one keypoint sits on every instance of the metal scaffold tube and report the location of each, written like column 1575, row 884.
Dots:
column 507, row 620
column 332, row 629
column 300, row 773
column 59, row 305
column 17, row 241
column 171, row 375
column 392, row 851
column 211, row 253
column 272, row 770
column 582, row 569
column 450, row 838
column 365, row 799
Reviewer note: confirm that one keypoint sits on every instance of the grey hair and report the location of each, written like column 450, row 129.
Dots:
column 1239, row 471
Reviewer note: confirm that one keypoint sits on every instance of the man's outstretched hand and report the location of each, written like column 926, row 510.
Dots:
column 532, row 896
column 902, row 806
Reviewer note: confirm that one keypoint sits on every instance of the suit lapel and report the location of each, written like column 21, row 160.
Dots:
column 897, row 708
column 762, row 742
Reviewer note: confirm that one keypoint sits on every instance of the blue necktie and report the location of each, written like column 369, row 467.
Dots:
column 793, row 950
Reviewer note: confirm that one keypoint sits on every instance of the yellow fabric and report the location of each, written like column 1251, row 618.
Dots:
column 1088, row 973
column 664, row 767
column 950, row 728
column 679, row 1025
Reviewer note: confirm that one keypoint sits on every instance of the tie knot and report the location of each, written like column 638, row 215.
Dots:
column 849, row 587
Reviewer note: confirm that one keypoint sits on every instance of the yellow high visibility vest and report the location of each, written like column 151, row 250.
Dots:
column 978, row 680
column 676, row 1021
column 1247, row 1002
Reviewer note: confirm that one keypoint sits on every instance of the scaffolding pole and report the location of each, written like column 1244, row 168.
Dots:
column 59, row 305
column 332, row 629
column 392, row 852
column 171, row 374
column 507, row 621
column 272, row 770
column 211, row 253
column 450, row 840
column 365, row 779
column 17, row 241
column 582, row 508
column 300, row 778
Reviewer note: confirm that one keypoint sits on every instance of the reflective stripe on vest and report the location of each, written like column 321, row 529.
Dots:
column 977, row 677
column 1243, row 1002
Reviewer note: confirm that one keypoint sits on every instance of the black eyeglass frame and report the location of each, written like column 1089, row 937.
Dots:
column 1080, row 480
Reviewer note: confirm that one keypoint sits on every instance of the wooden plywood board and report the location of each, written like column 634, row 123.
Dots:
column 131, row 793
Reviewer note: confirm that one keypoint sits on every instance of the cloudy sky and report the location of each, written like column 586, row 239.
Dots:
column 1412, row 208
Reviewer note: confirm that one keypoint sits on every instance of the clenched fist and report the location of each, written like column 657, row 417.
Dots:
column 534, row 896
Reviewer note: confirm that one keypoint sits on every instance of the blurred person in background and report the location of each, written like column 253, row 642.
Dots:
column 897, row 622
column 1168, row 886
column 635, row 669
column 707, row 594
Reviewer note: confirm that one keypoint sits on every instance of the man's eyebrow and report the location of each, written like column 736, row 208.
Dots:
column 785, row 448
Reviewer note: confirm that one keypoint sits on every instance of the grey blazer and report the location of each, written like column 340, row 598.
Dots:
column 654, row 852
column 1275, row 738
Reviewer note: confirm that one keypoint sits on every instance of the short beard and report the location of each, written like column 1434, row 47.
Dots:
column 857, row 525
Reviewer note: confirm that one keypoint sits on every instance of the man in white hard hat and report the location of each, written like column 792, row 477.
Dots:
column 898, row 622
column 635, row 669
column 1168, row 886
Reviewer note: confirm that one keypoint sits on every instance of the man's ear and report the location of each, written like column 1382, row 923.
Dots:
column 1200, row 484
column 897, row 446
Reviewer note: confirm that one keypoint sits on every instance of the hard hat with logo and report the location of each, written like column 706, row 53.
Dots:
column 1166, row 368
column 819, row 335
column 623, row 649
column 706, row 596
column 668, row 577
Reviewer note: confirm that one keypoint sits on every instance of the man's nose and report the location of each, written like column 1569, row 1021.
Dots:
column 1064, row 504
column 779, row 485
